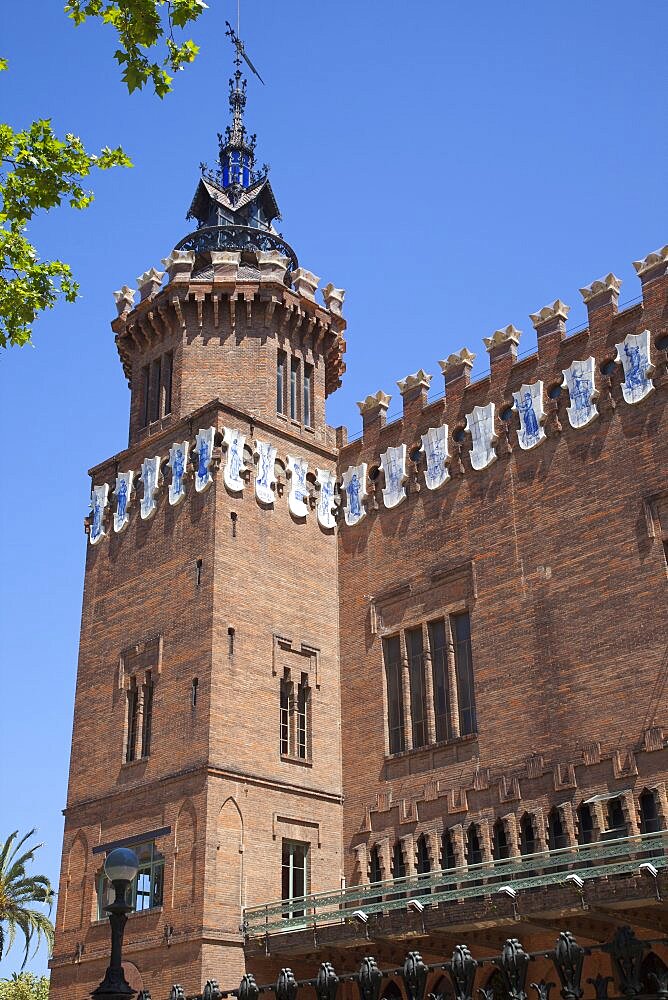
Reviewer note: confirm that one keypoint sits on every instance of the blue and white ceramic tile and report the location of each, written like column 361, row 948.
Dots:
column 234, row 465
column 354, row 486
column 435, row 448
column 298, row 495
column 178, row 463
column 122, row 492
column 529, row 405
column 99, row 498
column 203, row 455
column 150, row 477
column 579, row 377
column 265, row 476
column 326, row 501
column 634, row 356
column 480, row 425
column 393, row 464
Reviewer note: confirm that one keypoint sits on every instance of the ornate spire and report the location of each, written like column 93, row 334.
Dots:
column 237, row 148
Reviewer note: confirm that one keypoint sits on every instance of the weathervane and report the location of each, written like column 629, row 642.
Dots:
column 239, row 46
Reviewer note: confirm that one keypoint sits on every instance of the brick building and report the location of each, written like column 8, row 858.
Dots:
column 305, row 778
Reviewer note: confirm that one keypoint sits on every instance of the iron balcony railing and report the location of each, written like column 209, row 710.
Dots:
column 622, row 856
column 237, row 238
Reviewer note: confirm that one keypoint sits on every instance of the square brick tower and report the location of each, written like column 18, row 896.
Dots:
column 207, row 716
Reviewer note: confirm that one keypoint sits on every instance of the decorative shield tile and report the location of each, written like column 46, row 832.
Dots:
column 122, row 493
column 234, row 466
column 435, row 448
column 634, row 356
column 327, row 482
column 150, row 475
column 393, row 462
column 265, row 476
column 354, row 485
column 298, row 495
column 99, row 499
column 528, row 401
column 177, row 462
column 579, row 377
column 204, row 453
column 480, row 425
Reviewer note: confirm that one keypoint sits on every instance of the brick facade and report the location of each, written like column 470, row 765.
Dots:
column 556, row 554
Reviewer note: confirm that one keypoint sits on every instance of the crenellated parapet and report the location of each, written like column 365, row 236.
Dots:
column 566, row 387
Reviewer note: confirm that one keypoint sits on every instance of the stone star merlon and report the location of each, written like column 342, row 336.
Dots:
column 508, row 337
column 272, row 265
column 305, row 282
column 125, row 300
column 654, row 265
column 378, row 401
column 179, row 265
column 334, row 299
column 420, row 380
column 149, row 283
column 602, row 291
column 552, row 315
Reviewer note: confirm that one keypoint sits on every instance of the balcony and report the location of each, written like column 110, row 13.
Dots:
column 601, row 860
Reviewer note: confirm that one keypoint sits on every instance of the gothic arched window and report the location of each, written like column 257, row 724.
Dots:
column 501, row 848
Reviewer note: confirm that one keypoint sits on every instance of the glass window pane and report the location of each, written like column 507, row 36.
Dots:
column 395, row 700
column 464, row 669
column 439, row 668
column 414, row 649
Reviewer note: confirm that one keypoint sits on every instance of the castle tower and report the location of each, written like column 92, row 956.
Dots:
column 207, row 723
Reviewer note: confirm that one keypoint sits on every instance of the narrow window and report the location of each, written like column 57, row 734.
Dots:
column 280, row 382
column 585, row 824
column 294, row 382
column 167, row 369
column 398, row 863
column 230, row 641
column 147, row 721
column 155, row 390
column 447, row 851
column 284, row 720
column 145, row 394
column 198, row 572
column 193, row 692
column 473, row 850
column 649, row 817
column 375, row 873
column 294, row 876
column 556, row 836
column 439, row 669
column 461, row 627
column 423, row 864
column 303, row 697
column 501, row 849
column 308, row 396
column 416, row 679
column 527, row 835
column 616, row 822
column 395, row 699
column 234, row 517
column 133, row 712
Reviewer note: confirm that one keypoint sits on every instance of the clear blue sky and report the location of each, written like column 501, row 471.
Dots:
column 453, row 166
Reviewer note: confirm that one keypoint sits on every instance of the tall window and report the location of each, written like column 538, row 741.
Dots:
column 423, row 860
column 303, row 696
column 395, row 698
column 147, row 886
column 616, row 821
column 285, row 714
column 167, row 369
column 307, row 401
column 294, row 876
column 527, row 835
column 375, row 871
column 294, row 388
column 585, row 824
column 439, row 668
column 133, row 713
column 649, row 816
column 447, row 851
column 556, row 834
column 398, row 862
column 145, row 393
column 473, row 849
column 147, row 718
column 156, row 388
column 281, row 365
column 461, row 627
column 501, row 849
column 416, row 679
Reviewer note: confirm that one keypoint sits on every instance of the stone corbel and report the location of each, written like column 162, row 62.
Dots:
column 269, row 308
column 333, row 298
column 176, row 303
column 125, row 300
column 305, row 283
column 149, row 283
column 179, row 265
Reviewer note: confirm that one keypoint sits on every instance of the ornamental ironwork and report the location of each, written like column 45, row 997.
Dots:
column 327, row 982
column 461, row 970
column 514, row 964
column 415, row 974
column 568, row 957
column 237, row 238
column 369, row 979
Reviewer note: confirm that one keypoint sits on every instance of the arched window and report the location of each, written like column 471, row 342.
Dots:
column 653, row 974
column 447, row 851
column 473, row 851
column 616, row 822
column 423, row 859
column 649, row 816
column 527, row 835
column 375, row 873
column 501, row 848
column 556, row 835
column 398, row 863
column 585, row 824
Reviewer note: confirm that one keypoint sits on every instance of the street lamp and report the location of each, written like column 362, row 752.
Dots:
column 121, row 866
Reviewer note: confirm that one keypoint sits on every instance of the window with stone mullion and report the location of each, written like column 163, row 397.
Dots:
column 415, row 653
column 439, row 666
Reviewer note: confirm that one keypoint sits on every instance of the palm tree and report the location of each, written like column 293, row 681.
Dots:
column 18, row 890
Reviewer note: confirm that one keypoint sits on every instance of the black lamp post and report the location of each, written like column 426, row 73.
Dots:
column 120, row 868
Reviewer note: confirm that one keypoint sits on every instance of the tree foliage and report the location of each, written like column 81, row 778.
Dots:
column 24, row 986
column 18, row 890
column 39, row 171
column 145, row 28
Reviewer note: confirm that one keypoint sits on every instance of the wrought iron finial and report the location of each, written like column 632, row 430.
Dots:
column 248, row 988
column 286, row 985
column 327, row 982
column 211, row 990
column 600, row 984
column 370, row 978
column 567, row 958
column 461, row 969
column 514, row 964
column 414, row 975
column 626, row 953
column 177, row 992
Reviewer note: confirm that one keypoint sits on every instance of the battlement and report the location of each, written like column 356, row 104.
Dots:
column 565, row 385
